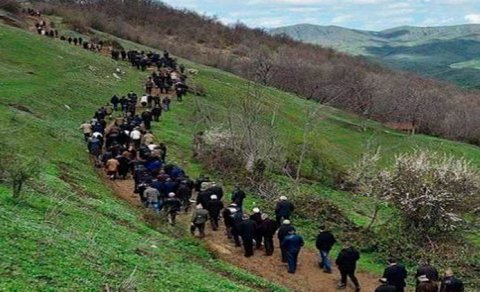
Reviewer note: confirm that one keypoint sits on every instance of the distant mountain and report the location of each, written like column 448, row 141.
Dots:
column 447, row 52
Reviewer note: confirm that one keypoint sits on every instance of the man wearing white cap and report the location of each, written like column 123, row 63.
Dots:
column 283, row 231
column 257, row 217
column 283, row 210
column 214, row 206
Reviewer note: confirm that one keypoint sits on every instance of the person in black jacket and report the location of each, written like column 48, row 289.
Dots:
column 172, row 206
column 283, row 210
column 267, row 230
column 246, row 230
column 214, row 206
column 450, row 283
column 283, row 231
column 385, row 286
column 347, row 264
column 147, row 119
column 292, row 244
column 257, row 217
column 238, row 196
column 184, row 193
column 395, row 274
column 325, row 241
column 425, row 269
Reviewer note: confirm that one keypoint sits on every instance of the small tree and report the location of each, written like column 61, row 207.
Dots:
column 432, row 190
column 17, row 170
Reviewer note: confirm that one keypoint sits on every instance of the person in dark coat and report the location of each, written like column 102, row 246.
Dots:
column 246, row 230
column 427, row 270
column 257, row 217
column 283, row 210
column 238, row 196
column 395, row 274
column 214, row 206
column 231, row 215
column 172, row 206
column 115, row 101
column 283, row 231
column 215, row 189
column 147, row 119
column 347, row 264
column 426, row 285
column 199, row 218
column 450, row 283
column 324, row 242
column 267, row 230
column 184, row 193
column 124, row 166
column 292, row 244
column 385, row 286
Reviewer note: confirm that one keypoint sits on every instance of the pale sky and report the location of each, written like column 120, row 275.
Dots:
column 359, row 14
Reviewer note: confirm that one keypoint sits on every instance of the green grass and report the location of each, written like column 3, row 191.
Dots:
column 70, row 232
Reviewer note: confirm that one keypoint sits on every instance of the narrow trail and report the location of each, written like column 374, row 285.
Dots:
column 309, row 277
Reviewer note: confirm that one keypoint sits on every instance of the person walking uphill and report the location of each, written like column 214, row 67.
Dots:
column 267, row 230
column 325, row 241
column 292, row 244
column 246, row 230
column 214, row 206
column 283, row 231
column 199, row 218
column 396, row 275
column 347, row 264
column 283, row 210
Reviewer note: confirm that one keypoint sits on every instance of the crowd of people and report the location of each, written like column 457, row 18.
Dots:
column 122, row 142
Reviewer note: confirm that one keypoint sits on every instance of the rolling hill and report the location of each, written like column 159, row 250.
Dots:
column 449, row 53
column 71, row 232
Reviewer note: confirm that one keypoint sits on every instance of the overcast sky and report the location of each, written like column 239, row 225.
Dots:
column 360, row 14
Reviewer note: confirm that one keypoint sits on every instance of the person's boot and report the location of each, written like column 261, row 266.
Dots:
column 357, row 289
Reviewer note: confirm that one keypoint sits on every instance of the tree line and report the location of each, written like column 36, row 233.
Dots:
column 310, row 71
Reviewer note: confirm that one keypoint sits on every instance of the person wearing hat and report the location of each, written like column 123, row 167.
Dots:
column 426, row 285
column 231, row 216
column 450, row 283
column 172, row 206
column 267, row 230
column 284, row 209
column 425, row 269
column 257, row 217
column 199, row 218
column 283, row 231
column 214, row 206
column 325, row 241
column 238, row 196
column 347, row 264
column 292, row 244
column 385, row 286
column 246, row 229
column 396, row 274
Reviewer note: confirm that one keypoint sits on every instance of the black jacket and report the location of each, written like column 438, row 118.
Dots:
column 172, row 205
column 429, row 271
column 396, row 275
column 325, row 241
column 347, row 259
column 246, row 228
column 284, row 208
column 184, row 192
column 386, row 288
column 216, row 190
column 283, row 231
column 238, row 196
column 214, row 207
column 257, row 217
column 268, row 228
column 451, row 284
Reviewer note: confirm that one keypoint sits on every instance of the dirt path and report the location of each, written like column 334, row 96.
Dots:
column 308, row 277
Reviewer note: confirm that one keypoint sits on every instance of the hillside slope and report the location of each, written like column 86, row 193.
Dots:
column 73, row 77
column 430, row 51
column 70, row 232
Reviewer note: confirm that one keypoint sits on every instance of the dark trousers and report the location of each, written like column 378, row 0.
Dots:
column 268, row 242
column 200, row 227
column 248, row 246
column 283, row 252
column 214, row 222
column 258, row 241
column 292, row 256
column 147, row 125
column 86, row 136
column 351, row 275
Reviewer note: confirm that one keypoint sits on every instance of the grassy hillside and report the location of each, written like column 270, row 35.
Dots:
column 426, row 51
column 69, row 232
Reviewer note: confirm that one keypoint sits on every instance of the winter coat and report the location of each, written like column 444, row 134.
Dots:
column 292, row 243
column 200, row 216
column 268, row 228
column 284, row 208
column 347, row 259
column 246, row 228
column 283, row 231
column 396, row 275
column 325, row 241
column 214, row 207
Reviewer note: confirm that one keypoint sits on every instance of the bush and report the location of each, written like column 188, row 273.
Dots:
column 17, row 170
